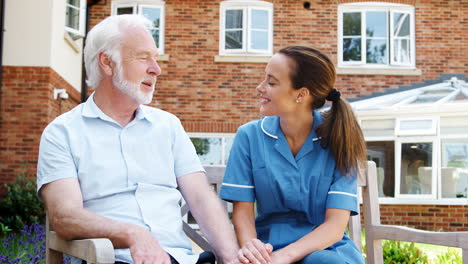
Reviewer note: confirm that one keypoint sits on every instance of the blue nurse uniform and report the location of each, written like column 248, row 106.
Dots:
column 292, row 193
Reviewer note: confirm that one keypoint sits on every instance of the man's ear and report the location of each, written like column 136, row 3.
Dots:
column 106, row 64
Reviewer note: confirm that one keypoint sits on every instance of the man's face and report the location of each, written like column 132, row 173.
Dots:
column 137, row 72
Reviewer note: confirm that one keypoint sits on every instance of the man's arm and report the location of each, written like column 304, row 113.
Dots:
column 64, row 204
column 210, row 215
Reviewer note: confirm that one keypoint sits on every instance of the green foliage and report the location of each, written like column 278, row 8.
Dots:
column 396, row 252
column 451, row 256
column 202, row 145
column 21, row 206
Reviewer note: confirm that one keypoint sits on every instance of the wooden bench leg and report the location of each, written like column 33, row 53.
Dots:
column 53, row 257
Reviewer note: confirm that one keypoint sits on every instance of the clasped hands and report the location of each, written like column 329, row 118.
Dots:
column 257, row 252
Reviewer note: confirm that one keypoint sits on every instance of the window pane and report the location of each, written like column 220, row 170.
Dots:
column 454, row 169
column 382, row 153
column 412, row 125
column 401, row 50
column 259, row 40
column 352, row 49
column 416, row 168
column 376, row 23
column 234, row 19
column 153, row 14
column 233, row 39
column 378, row 128
column 155, row 33
column 75, row 3
column 377, row 51
column 259, row 19
column 352, row 24
column 453, row 125
column 227, row 148
column 208, row 150
column 125, row 10
column 401, row 25
column 73, row 18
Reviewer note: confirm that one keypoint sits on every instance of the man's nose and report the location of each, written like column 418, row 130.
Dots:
column 154, row 68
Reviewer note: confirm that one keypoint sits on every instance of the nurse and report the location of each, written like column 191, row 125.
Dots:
column 298, row 165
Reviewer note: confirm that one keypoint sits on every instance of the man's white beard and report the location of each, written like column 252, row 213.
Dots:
column 133, row 89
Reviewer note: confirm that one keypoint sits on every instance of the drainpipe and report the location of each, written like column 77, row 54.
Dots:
column 84, row 87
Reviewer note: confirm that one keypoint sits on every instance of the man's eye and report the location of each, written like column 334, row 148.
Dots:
column 271, row 84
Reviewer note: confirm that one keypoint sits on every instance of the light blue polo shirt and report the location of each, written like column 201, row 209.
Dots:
column 126, row 173
column 292, row 192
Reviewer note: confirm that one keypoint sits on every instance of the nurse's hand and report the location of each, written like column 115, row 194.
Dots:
column 255, row 252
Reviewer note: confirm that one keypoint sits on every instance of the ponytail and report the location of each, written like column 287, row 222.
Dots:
column 341, row 132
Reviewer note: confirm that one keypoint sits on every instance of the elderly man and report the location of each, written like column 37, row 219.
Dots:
column 111, row 166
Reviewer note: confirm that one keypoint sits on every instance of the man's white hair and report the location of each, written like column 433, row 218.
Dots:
column 106, row 37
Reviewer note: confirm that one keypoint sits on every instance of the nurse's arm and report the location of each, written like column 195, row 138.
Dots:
column 325, row 235
column 64, row 205
column 207, row 209
column 253, row 250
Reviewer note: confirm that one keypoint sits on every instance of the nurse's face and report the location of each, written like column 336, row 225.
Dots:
column 277, row 96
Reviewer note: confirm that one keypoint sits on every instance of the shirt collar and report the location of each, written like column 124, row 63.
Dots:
column 90, row 109
column 270, row 124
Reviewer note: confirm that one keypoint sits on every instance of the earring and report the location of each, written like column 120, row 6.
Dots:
column 297, row 100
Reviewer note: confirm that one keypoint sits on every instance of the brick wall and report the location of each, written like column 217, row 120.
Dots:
column 426, row 217
column 218, row 97
column 26, row 107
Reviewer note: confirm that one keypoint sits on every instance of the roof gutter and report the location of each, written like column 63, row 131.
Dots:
column 2, row 25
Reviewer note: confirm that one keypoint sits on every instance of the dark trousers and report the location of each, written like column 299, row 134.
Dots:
column 205, row 258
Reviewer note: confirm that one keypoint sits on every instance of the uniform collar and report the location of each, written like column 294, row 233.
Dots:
column 271, row 127
column 91, row 110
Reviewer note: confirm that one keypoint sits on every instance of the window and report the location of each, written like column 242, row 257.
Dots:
column 246, row 27
column 376, row 35
column 75, row 16
column 154, row 12
column 212, row 149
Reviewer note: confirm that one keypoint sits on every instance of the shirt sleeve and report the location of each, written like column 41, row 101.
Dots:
column 237, row 183
column 185, row 156
column 343, row 192
column 55, row 159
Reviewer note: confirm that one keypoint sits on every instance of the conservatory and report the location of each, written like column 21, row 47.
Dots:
column 419, row 140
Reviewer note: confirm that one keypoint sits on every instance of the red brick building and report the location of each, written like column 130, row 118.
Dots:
column 214, row 54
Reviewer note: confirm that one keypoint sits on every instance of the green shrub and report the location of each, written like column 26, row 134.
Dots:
column 21, row 205
column 396, row 252
column 451, row 256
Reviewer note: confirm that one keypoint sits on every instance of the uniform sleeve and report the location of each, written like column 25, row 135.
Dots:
column 343, row 192
column 238, row 184
column 185, row 156
column 55, row 160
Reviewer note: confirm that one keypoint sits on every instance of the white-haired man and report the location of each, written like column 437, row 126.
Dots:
column 111, row 166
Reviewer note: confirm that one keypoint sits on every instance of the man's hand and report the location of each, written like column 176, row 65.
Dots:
column 256, row 252
column 145, row 249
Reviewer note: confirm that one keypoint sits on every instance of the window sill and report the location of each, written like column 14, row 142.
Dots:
column 242, row 58
column 164, row 57
column 71, row 43
column 378, row 71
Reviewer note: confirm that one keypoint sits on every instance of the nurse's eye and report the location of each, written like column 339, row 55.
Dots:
column 271, row 84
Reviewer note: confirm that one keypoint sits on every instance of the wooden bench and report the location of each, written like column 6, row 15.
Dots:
column 101, row 250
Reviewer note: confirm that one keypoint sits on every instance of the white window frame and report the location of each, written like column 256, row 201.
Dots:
column 246, row 6
column 82, row 20
column 137, row 9
column 390, row 8
column 435, row 164
column 416, row 132
column 222, row 136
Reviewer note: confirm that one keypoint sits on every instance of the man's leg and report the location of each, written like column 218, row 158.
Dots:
column 204, row 258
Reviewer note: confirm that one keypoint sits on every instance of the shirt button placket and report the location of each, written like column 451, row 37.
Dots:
column 123, row 146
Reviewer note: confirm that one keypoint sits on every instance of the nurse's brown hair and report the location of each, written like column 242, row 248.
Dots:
column 340, row 130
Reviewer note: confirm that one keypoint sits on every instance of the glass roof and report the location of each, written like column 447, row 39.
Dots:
column 446, row 92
